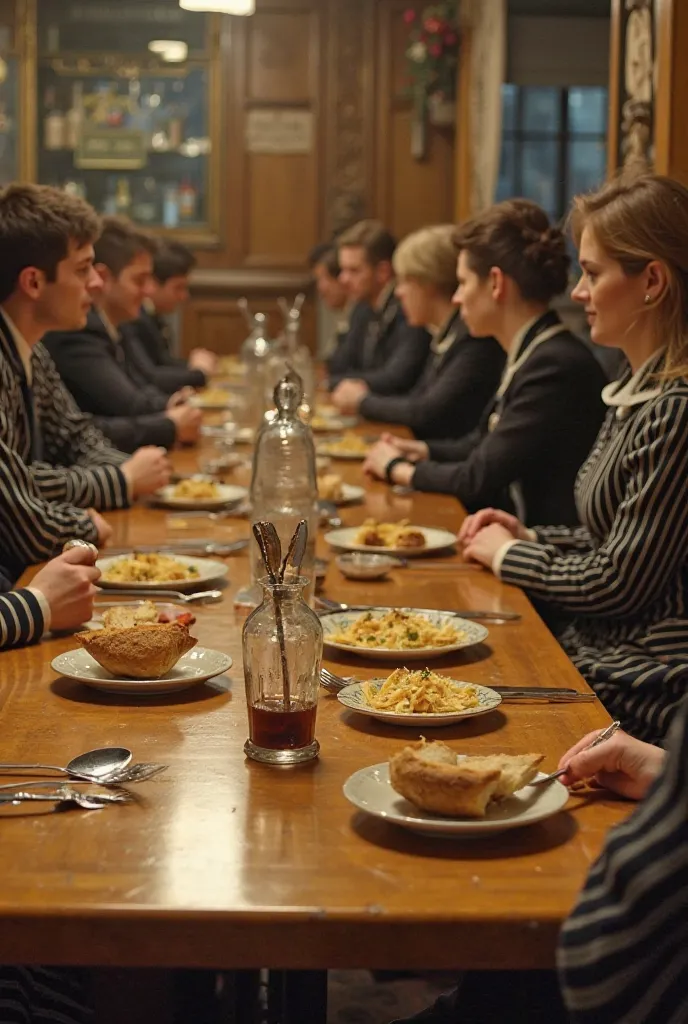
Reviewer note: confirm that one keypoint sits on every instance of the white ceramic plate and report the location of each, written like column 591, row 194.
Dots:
column 337, row 453
column 353, row 697
column 350, row 495
column 229, row 432
column 435, row 540
column 196, row 666
column 332, row 424
column 208, row 569
column 228, row 494
column 334, row 622
column 371, row 791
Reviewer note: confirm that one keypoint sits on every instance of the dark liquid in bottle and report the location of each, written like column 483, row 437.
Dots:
column 272, row 727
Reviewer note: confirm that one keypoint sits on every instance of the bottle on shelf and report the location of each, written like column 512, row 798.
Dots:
column 170, row 207
column 123, row 197
column 75, row 117
column 188, row 200
column 54, row 124
column 145, row 208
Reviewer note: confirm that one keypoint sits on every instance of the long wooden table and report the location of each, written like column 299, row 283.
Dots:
column 228, row 863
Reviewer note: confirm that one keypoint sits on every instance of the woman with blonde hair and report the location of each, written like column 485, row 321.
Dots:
column 540, row 425
column 461, row 372
column 623, row 575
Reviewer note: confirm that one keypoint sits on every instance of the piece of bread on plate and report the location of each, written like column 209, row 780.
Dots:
column 146, row 651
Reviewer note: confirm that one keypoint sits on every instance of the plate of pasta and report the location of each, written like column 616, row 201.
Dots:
column 200, row 493
column 351, row 446
column 213, row 399
column 157, row 571
column 402, row 538
column 421, row 697
column 413, row 634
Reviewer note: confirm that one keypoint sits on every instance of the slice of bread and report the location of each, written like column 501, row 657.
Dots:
column 517, row 770
column 147, row 651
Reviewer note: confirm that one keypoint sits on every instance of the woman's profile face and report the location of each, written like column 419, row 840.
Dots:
column 613, row 299
column 475, row 297
column 416, row 299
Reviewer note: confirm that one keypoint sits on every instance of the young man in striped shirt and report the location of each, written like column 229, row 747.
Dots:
column 56, row 468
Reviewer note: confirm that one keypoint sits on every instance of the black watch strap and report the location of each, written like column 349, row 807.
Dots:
column 396, row 461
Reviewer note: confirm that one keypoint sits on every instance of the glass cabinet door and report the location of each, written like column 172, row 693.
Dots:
column 9, row 96
column 124, row 91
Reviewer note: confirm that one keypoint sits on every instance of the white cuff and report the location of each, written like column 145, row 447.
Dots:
column 45, row 608
column 500, row 555
column 532, row 535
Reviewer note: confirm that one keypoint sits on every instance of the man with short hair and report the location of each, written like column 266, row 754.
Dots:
column 323, row 260
column 380, row 348
column 56, row 468
column 169, row 289
column 96, row 363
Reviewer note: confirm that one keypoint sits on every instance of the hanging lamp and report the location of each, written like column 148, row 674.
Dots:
column 220, row 6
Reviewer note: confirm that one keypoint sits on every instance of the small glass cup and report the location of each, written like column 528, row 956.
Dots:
column 282, row 646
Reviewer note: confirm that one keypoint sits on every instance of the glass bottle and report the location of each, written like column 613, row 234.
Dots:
column 282, row 647
column 284, row 486
column 255, row 356
column 290, row 352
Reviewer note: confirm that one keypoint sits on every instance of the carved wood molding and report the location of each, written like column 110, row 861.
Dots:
column 636, row 83
column 349, row 129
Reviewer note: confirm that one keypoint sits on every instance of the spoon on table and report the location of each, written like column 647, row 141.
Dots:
column 170, row 595
column 93, row 765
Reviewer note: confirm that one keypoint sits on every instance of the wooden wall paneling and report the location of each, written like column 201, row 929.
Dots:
column 614, row 91
column 350, row 123
column 671, row 89
column 462, row 149
column 409, row 193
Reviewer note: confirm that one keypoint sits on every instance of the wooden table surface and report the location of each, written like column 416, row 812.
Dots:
column 229, row 863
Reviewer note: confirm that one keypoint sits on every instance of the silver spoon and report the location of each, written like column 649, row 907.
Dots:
column 210, row 596
column 65, row 795
column 94, row 764
column 296, row 550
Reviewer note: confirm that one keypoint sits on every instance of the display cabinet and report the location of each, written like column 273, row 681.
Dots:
column 122, row 106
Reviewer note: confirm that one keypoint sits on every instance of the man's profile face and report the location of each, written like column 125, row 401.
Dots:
column 357, row 275
column 123, row 295
column 63, row 304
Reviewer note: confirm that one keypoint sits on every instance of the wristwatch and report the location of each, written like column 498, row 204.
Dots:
column 396, row 461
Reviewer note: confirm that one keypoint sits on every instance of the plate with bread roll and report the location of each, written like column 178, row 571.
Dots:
column 429, row 788
column 146, row 659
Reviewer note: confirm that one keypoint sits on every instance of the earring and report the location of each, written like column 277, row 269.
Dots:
column 648, row 300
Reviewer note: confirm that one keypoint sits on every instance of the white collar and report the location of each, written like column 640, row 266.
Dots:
column 21, row 345
column 518, row 339
column 623, row 396
column 444, row 337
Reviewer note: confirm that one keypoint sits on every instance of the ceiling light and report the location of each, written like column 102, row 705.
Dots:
column 220, row 6
column 172, row 50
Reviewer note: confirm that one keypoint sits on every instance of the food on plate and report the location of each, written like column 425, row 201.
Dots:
column 149, row 568
column 349, row 444
column 389, row 535
column 213, row 396
column 420, row 693
column 330, row 487
column 196, row 489
column 396, row 630
column 230, row 365
column 123, row 616
column 145, row 651
column 323, row 424
column 431, row 776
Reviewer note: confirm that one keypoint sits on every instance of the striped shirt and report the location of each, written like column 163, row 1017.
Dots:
column 29, row 995
column 623, row 954
column 624, row 574
column 42, row 503
column 21, row 621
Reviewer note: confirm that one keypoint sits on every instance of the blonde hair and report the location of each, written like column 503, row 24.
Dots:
column 637, row 221
column 430, row 255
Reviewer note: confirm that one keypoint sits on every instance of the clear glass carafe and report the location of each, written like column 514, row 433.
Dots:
column 289, row 352
column 255, row 358
column 284, row 487
column 282, row 647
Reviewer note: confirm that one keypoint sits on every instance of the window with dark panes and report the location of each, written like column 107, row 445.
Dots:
column 554, row 143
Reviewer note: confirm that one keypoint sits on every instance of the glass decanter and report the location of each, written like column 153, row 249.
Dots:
column 255, row 357
column 289, row 353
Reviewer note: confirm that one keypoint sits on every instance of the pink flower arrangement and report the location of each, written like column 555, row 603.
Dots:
column 433, row 50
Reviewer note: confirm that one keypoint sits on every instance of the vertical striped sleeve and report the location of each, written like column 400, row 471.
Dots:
column 21, row 619
column 648, row 540
column 623, row 953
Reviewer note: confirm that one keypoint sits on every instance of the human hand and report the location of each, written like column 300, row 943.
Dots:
column 180, row 397
column 379, row 455
column 102, row 526
column 204, row 360
column 147, row 470
column 472, row 525
column 348, row 395
column 67, row 583
column 621, row 764
column 187, row 422
column 414, row 451
column 486, row 544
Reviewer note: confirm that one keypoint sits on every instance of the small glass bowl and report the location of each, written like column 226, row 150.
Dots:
column 360, row 566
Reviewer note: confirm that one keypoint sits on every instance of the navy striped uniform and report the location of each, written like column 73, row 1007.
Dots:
column 623, row 954
column 53, row 462
column 623, row 575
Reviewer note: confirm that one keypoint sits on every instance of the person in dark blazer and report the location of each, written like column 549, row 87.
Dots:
column 152, row 354
column 544, row 418
column 380, row 348
column 323, row 259
column 96, row 364
column 461, row 372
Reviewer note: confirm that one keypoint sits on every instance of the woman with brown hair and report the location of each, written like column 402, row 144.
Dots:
column 538, row 429
column 623, row 575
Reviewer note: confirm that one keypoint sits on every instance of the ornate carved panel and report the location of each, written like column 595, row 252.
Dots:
column 637, row 84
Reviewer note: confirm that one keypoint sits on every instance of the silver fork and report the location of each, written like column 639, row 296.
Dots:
column 605, row 735
column 333, row 683
column 136, row 773
column 67, row 795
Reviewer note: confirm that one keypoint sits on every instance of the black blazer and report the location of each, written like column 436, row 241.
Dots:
column 453, row 389
column 106, row 382
column 153, row 356
column 381, row 349
column 547, row 422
